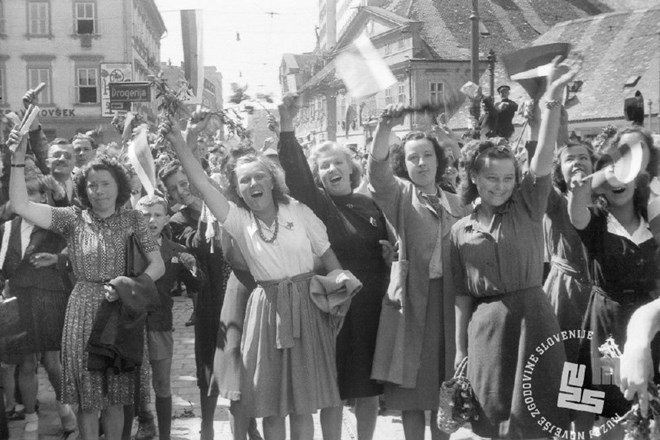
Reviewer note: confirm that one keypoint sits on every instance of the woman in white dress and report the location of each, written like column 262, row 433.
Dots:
column 288, row 342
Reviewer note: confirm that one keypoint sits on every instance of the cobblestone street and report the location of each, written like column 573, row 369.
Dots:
column 186, row 412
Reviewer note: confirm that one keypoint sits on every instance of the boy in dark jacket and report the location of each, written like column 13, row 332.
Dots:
column 179, row 266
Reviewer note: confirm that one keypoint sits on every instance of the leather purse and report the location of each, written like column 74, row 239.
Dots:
column 10, row 318
column 136, row 258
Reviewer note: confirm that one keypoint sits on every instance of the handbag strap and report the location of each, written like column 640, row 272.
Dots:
column 461, row 370
column 401, row 230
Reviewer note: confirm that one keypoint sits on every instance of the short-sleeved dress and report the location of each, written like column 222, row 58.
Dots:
column 622, row 272
column 502, row 268
column 97, row 254
column 287, row 344
column 567, row 284
column 355, row 226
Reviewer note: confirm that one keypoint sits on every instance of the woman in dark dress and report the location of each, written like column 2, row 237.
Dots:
column 620, row 258
column 356, row 226
column 502, row 313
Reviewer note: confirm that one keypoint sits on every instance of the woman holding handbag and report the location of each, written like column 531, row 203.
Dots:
column 423, row 214
column 96, row 236
column 497, row 258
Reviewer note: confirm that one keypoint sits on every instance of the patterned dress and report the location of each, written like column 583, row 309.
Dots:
column 97, row 253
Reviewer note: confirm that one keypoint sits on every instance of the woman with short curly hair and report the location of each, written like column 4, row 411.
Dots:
column 287, row 346
column 96, row 236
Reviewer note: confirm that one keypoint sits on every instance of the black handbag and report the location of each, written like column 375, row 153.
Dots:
column 458, row 404
column 10, row 318
column 136, row 259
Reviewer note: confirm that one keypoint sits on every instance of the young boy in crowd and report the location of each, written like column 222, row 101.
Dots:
column 179, row 266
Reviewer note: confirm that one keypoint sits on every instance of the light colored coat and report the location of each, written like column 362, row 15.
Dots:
column 421, row 226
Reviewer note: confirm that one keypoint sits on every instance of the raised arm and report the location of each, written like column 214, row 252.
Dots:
column 380, row 147
column 299, row 177
column 214, row 199
column 38, row 213
column 562, row 73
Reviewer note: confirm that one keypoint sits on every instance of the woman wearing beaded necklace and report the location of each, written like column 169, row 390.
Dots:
column 288, row 343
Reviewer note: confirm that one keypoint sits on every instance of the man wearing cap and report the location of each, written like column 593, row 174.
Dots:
column 506, row 110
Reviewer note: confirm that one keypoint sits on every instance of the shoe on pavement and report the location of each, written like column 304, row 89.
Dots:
column 31, row 431
column 146, row 430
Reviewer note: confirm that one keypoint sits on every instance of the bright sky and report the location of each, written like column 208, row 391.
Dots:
column 264, row 37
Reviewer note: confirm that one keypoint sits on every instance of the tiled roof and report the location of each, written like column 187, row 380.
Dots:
column 616, row 47
column 511, row 24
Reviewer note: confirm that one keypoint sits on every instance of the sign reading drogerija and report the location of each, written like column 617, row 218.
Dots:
column 112, row 73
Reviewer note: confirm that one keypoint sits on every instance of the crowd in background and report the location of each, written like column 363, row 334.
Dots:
column 298, row 257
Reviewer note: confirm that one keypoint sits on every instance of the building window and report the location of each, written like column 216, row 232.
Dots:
column 388, row 96
column 37, row 76
column 437, row 93
column 84, row 17
column 86, row 84
column 401, row 92
column 38, row 18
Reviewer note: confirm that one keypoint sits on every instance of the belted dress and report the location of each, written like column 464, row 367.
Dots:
column 567, row 284
column 622, row 269
column 288, row 343
column 514, row 358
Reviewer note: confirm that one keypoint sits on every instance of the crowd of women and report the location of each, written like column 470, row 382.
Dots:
column 301, row 270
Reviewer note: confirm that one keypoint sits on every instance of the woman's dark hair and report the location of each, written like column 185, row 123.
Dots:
column 473, row 157
column 116, row 170
column 643, row 180
column 280, row 190
column 398, row 155
column 557, row 175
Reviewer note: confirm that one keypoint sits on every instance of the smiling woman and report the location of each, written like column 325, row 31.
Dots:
column 287, row 339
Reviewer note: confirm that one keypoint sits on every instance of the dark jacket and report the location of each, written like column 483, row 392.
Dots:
column 175, row 270
column 21, row 272
column 117, row 338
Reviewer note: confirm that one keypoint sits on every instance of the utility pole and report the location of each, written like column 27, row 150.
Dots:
column 475, row 110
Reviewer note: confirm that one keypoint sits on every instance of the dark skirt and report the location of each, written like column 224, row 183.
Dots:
column 42, row 313
column 609, row 317
column 431, row 365
column 514, row 383
column 356, row 343
column 569, row 295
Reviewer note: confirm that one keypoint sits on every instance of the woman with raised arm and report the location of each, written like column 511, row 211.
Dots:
column 356, row 230
column 621, row 257
column 502, row 314
column 428, row 213
column 288, row 342
column 96, row 236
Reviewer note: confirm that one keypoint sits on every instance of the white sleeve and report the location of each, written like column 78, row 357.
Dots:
column 236, row 220
column 314, row 228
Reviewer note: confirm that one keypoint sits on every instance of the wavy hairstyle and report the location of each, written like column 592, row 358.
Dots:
column 327, row 147
column 116, row 170
column 473, row 158
column 557, row 175
column 643, row 180
column 398, row 155
column 280, row 190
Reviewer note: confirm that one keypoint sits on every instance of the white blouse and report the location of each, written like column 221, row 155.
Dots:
column 301, row 236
